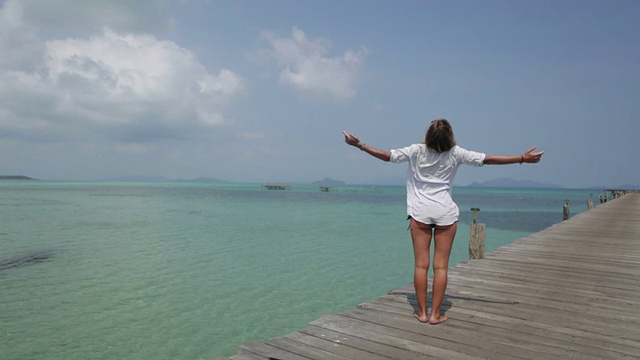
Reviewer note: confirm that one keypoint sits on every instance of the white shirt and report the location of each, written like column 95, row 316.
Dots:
column 429, row 180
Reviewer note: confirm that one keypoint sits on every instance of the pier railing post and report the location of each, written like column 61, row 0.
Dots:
column 477, row 236
column 565, row 210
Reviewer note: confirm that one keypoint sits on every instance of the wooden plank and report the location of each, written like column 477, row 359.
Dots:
column 548, row 275
column 589, row 294
column 590, row 333
column 561, row 273
column 349, row 342
column 363, row 338
column 544, row 316
column 553, row 293
column 478, row 308
column 412, row 340
column 264, row 351
column 589, row 339
column 396, row 323
column 625, row 273
column 532, row 339
column 246, row 357
column 479, row 342
column 292, row 346
column 558, row 252
column 583, row 338
column 551, row 238
column 491, row 332
column 331, row 342
column 574, row 238
column 621, row 270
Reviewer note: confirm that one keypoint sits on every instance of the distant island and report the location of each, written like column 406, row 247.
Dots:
column 508, row 182
column 323, row 182
column 163, row 179
column 202, row 180
column 329, row 182
column 15, row 177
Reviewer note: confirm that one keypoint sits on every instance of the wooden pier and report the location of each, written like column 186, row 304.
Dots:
column 276, row 186
column 616, row 193
column 571, row 291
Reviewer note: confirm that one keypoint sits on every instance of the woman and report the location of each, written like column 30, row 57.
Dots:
column 430, row 207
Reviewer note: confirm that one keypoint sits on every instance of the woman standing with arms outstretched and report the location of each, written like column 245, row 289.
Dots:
column 430, row 207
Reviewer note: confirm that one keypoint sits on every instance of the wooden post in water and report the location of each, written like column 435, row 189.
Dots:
column 477, row 235
column 590, row 202
column 565, row 210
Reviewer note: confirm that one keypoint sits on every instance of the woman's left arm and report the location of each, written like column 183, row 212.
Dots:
column 527, row 157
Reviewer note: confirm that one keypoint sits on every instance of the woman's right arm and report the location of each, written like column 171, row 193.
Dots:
column 527, row 157
column 355, row 142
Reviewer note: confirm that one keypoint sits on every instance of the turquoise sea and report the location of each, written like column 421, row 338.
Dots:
column 190, row 271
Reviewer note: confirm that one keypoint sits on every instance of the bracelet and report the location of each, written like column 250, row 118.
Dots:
column 522, row 160
column 362, row 147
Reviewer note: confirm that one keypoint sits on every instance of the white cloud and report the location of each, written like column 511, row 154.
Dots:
column 174, row 154
column 377, row 107
column 245, row 135
column 21, row 50
column 93, row 15
column 137, row 149
column 131, row 88
column 306, row 68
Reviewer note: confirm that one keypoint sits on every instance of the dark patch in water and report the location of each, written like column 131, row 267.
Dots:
column 25, row 259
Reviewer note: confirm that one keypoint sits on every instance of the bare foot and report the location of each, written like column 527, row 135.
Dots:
column 438, row 320
column 422, row 319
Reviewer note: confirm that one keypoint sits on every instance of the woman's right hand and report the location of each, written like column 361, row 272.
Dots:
column 351, row 139
column 532, row 157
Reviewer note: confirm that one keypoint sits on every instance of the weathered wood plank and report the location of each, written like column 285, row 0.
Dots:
column 551, row 293
column 550, row 275
column 551, row 316
column 331, row 342
column 391, row 342
column 240, row 356
column 290, row 345
column 452, row 338
column 361, row 337
column 263, row 351
column 364, row 348
column 560, row 251
column 621, row 270
column 589, row 339
column 404, row 326
column 244, row 355
column 529, row 337
column 548, row 316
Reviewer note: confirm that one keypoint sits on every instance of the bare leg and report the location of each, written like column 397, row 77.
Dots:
column 444, row 236
column 421, row 236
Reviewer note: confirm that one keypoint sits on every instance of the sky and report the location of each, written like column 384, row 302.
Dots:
column 260, row 91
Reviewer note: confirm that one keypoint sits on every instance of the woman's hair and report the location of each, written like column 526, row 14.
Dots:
column 439, row 136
